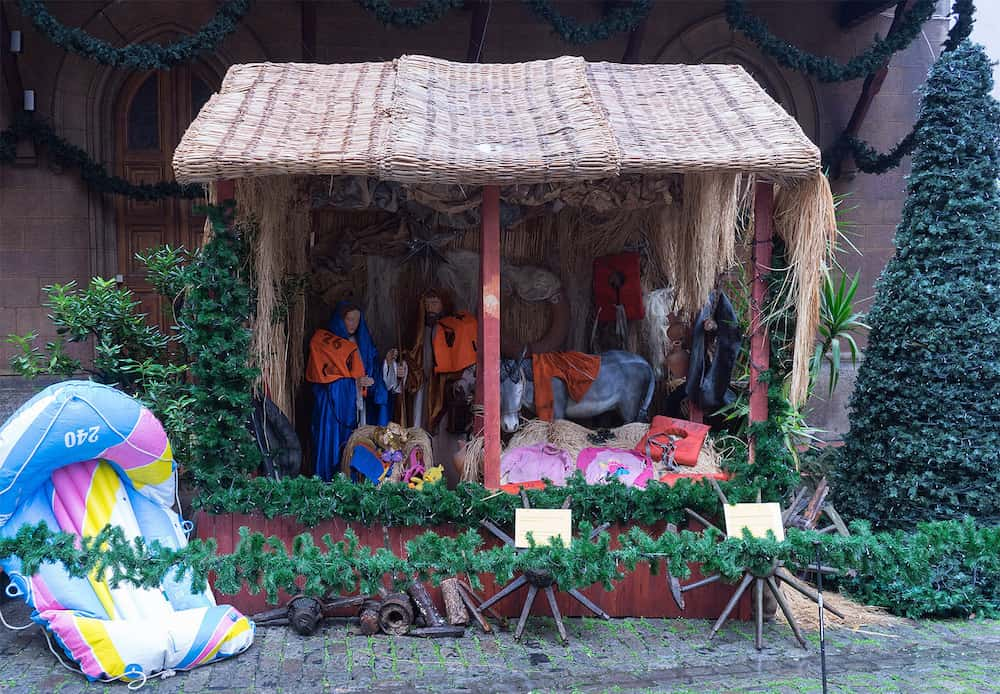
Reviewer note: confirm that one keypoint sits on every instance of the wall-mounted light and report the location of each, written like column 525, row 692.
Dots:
column 15, row 41
column 29, row 99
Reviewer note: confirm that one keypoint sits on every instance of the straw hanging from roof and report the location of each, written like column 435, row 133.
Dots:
column 704, row 245
column 279, row 256
column 804, row 218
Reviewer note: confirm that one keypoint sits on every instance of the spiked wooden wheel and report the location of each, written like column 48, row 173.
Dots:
column 769, row 580
column 540, row 579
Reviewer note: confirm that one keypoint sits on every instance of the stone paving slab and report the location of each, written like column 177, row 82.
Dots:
column 625, row 655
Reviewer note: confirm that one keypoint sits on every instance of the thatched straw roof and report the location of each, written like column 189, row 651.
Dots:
column 420, row 119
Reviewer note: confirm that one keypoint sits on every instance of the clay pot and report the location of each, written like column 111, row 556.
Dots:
column 677, row 363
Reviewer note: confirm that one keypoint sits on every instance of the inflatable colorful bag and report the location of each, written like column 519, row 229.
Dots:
column 79, row 456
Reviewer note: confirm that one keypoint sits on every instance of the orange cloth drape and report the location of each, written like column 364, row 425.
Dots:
column 576, row 369
column 331, row 357
column 455, row 343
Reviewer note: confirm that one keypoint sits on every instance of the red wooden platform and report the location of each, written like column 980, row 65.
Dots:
column 639, row 594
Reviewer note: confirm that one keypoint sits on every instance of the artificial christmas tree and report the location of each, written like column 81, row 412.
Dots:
column 925, row 414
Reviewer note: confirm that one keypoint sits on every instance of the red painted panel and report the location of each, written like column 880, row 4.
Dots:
column 638, row 594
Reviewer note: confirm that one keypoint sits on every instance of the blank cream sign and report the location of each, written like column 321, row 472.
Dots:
column 542, row 523
column 758, row 518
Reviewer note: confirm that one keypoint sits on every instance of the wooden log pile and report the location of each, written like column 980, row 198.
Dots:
column 410, row 613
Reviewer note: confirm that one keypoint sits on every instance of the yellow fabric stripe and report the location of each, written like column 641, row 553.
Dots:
column 101, row 645
column 238, row 628
column 155, row 472
column 100, row 502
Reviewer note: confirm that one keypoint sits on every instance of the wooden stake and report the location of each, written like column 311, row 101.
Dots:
column 488, row 370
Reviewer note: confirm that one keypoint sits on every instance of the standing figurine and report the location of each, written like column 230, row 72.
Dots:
column 350, row 385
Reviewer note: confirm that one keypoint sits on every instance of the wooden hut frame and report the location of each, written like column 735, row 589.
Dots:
column 422, row 121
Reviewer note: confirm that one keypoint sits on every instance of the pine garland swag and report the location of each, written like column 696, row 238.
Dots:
column 214, row 333
column 941, row 569
column 924, row 442
column 410, row 17
column 866, row 157
column 93, row 173
column 615, row 20
column 138, row 56
column 824, row 68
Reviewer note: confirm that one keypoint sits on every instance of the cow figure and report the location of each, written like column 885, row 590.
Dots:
column 624, row 384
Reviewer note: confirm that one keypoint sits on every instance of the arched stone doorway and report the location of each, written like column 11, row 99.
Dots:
column 151, row 113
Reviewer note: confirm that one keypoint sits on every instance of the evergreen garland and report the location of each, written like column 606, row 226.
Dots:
column 823, row 68
column 95, row 174
column 139, row 56
column 214, row 333
column 924, row 442
column 619, row 18
column 867, row 158
column 941, row 569
column 411, row 17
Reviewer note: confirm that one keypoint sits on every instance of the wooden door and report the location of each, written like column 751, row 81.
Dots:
column 154, row 110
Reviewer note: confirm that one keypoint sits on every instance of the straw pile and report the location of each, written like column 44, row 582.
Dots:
column 277, row 207
column 857, row 616
column 804, row 218
column 573, row 438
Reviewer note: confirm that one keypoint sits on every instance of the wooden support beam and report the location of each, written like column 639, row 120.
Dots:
column 488, row 370
column 760, row 349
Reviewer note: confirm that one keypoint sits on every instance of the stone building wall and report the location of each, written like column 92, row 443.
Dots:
column 52, row 229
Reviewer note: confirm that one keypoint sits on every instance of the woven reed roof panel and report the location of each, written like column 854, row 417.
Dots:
column 291, row 118
column 476, row 123
column 419, row 119
column 694, row 118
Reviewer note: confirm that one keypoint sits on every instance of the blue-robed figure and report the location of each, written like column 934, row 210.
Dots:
column 348, row 384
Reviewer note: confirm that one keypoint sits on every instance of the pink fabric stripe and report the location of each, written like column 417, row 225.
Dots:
column 225, row 624
column 71, row 484
column 63, row 626
column 147, row 435
column 44, row 600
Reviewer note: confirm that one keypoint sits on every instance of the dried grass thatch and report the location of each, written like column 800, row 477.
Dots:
column 280, row 256
column 704, row 244
column 804, row 218
column 856, row 615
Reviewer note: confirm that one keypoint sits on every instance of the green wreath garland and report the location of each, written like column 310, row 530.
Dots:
column 823, row 68
column 426, row 12
column 93, row 173
column 139, row 56
column 942, row 569
column 615, row 20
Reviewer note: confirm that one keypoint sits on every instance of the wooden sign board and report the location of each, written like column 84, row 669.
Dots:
column 758, row 518
column 542, row 523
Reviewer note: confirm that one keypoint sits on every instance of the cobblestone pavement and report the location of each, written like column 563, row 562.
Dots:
column 617, row 656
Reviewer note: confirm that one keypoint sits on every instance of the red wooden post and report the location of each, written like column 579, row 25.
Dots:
column 225, row 189
column 488, row 370
column 760, row 349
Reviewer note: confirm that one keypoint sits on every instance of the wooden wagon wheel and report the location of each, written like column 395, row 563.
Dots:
column 540, row 579
column 770, row 580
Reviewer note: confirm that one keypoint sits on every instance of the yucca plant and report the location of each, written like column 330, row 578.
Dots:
column 838, row 324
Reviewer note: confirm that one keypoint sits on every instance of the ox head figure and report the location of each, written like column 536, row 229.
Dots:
column 512, row 385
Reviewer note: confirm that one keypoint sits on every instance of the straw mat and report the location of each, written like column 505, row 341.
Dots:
column 419, row 119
